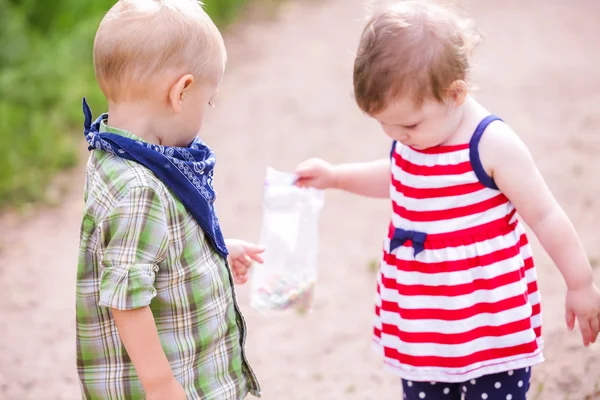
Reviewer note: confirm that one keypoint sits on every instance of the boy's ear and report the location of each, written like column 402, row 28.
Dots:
column 458, row 92
column 179, row 91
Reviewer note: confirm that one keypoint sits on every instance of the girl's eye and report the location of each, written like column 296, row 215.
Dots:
column 411, row 127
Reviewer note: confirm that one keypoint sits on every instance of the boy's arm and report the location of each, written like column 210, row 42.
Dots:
column 371, row 179
column 508, row 161
column 134, row 238
column 138, row 333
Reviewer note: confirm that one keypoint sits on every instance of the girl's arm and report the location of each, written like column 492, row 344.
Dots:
column 371, row 179
column 508, row 161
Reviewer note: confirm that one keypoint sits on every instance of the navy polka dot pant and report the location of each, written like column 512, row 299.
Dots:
column 511, row 385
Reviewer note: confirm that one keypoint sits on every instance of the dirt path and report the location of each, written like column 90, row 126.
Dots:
column 287, row 96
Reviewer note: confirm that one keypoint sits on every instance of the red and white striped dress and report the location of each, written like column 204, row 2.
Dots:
column 463, row 302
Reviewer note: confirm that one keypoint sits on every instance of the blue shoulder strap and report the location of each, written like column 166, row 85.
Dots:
column 483, row 177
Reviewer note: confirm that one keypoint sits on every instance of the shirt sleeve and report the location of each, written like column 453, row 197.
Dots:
column 134, row 238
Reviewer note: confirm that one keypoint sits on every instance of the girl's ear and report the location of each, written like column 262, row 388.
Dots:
column 458, row 92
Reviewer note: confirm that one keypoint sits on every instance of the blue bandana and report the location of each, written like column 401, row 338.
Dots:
column 187, row 171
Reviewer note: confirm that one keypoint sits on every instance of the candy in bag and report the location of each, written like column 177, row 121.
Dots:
column 289, row 233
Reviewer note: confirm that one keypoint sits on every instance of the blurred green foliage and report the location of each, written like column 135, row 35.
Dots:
column 45, row 69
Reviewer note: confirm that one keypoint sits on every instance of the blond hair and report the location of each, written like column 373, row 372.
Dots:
column 411, row 48
column 139, row 39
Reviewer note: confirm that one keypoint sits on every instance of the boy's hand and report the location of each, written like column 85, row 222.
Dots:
column 316, row 173
column 584, row 305
column 241, row 256
column 170, row 390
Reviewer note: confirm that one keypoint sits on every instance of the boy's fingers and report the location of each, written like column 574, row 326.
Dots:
column 254, row 248
column 256, row 258
column 246, row 262
column 241, row 266
column 241, row 278
column 231, row 243
column 241, row 281
column 252, row 252
column 570, row 316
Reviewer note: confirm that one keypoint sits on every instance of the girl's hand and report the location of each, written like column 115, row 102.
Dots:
column 316, row 173
column 241, row 256
column 584, row 305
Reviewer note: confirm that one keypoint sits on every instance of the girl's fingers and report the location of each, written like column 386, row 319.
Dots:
column 302, row 182
column 586, row 331
column 305, row 169
column 594, row 328
column 570, row 317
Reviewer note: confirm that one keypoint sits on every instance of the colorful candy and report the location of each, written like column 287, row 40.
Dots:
column 282, row 292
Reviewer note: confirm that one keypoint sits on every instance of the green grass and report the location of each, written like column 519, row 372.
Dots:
column 45, row 70
column 223, row 11
column 539, row 391
column 373, row 266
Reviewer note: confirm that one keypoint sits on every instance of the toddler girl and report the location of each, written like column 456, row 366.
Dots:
column 457, row 306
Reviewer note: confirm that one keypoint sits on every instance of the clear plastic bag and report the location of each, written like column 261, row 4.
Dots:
column 288, row 276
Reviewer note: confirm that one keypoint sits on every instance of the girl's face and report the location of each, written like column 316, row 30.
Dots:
column 429, row 125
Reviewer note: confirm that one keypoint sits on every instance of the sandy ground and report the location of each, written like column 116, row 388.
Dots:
column 286, row 97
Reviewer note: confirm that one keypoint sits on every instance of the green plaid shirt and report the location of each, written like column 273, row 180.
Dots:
column 140, row 247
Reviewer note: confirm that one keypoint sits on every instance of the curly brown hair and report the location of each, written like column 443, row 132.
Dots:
column 411, row 48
